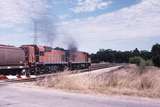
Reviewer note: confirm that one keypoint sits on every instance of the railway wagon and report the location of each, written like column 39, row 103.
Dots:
column 12, row 59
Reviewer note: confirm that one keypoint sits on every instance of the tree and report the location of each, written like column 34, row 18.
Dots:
column 94, row 58
column 59, row 48
column 146, row 54
column 136, row 52
column 156, row 55
column 119, row 56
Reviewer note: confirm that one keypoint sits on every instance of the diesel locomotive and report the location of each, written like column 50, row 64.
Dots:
column 35, row 59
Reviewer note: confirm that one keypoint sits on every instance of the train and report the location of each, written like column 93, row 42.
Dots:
column 35, row 60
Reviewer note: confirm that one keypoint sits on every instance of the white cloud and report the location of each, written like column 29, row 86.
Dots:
column 20, row 11
column 17, row 14
column 90, row 5
column 138, row 21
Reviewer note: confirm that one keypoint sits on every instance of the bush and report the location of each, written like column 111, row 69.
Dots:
column 149, row 63
column 137, row 60
column 141, row 63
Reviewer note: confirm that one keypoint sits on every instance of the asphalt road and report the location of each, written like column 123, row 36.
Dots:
column 16, row 96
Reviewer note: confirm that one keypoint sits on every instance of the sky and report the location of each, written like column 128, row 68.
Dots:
column 89, row 24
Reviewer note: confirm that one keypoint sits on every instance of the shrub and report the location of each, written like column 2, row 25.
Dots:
column 141, row 63
column 149, row 63
column 137, row 60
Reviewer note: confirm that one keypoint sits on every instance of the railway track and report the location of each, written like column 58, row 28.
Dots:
column 102, row 65
column 93, row 67
column 21, row 80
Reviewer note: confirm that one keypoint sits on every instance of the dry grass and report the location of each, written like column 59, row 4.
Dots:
column 124, row 81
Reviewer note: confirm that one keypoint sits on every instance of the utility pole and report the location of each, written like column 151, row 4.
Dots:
column 35, row 26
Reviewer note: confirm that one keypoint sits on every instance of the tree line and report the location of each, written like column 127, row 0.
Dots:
column 133, row 56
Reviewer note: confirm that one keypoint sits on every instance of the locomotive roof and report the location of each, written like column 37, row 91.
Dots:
column 42, row 47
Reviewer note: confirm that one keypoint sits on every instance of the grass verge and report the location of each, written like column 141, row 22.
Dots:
column 124, row 81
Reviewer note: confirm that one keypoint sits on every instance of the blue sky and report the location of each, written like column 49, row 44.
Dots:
column 92, row 24
column 64, row 8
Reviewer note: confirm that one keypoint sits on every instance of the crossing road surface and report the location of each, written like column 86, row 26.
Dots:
column 16, row 96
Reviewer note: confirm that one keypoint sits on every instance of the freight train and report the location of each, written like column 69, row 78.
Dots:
column 35, row 59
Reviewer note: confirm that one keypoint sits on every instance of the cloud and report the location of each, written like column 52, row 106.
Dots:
column 21, row 11
column 90, row 5
column 27, row 14
column 137, row 21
